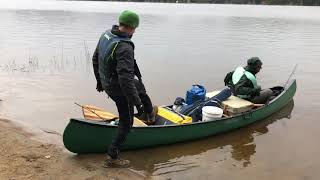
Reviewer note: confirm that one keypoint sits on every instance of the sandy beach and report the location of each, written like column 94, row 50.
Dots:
column 27, row 153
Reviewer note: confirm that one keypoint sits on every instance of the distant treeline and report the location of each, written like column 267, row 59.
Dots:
column 267, row 2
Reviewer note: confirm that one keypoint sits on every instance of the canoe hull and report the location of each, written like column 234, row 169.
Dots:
column 82, row 136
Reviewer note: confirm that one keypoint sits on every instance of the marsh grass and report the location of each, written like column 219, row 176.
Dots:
column 61, row 63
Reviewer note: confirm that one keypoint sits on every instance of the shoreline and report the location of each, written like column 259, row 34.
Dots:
column 28, row 153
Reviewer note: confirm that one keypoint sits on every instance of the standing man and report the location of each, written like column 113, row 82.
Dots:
column 243, row 82
column 115, row 69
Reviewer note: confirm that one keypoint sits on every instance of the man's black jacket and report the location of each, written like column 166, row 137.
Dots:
column 124, row 69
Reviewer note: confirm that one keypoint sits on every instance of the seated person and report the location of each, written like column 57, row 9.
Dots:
column 243, row 82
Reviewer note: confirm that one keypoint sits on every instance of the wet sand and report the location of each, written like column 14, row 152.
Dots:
column 27, row 153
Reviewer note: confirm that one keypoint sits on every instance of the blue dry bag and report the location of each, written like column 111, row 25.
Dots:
column 195, row 110
column 196, row 93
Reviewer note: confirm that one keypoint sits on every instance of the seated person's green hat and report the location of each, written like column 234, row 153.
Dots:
column 254, row 61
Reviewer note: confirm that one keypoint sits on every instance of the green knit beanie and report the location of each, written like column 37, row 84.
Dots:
column 129, row 18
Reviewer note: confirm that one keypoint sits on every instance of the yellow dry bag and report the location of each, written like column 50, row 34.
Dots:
column 168, row 116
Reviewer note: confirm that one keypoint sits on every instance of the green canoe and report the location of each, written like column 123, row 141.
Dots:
column 85, row 136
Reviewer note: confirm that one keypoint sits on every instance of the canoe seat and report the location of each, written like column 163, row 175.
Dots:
column 233, row 105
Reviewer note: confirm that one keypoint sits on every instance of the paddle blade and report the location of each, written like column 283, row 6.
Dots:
column 91, row 112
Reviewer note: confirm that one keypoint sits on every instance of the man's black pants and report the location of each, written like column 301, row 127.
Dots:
column 126, row 111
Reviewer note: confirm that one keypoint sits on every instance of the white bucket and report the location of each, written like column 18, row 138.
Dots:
column 211, row 113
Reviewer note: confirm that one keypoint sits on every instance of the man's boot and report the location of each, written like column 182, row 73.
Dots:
column 149, row 118
column 110, row 163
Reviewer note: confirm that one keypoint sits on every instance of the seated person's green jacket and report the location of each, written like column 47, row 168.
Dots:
column 244, row 88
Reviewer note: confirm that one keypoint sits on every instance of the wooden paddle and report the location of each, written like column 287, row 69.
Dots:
column 91, row 112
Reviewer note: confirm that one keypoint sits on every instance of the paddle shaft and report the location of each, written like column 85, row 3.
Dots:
column 294, row 70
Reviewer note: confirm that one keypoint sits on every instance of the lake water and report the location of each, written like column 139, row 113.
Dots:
column 45, row 55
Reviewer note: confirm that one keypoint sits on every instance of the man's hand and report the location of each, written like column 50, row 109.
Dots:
column 99, row 87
